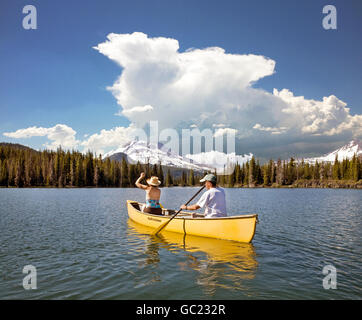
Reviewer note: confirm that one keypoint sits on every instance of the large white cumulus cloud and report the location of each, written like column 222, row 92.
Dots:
column 202, row 85
column 194, row 86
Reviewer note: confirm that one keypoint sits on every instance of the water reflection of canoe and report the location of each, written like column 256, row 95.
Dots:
column 238, row 228
column 238, row 256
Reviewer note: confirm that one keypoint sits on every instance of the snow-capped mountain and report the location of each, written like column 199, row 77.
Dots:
column 345, row 152
column 146, row 152
column 150, row 153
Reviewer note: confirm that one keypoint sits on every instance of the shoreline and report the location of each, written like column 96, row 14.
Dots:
column 298, row 185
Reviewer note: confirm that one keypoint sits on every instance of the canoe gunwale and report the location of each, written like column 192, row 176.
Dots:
column 248, row 216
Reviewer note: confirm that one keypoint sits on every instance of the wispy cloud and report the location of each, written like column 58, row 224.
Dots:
column 136, row 110
column 272, row 130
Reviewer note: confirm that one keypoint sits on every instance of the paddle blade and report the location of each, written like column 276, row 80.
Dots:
column 161, row 227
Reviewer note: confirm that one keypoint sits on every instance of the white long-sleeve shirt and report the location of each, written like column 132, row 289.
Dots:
column 213, row 200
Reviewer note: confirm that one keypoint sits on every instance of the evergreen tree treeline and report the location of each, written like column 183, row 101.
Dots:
column 284, row 173
column 24, row 167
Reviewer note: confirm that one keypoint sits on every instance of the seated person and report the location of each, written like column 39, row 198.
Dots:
column 213, row 200
column 153, row 194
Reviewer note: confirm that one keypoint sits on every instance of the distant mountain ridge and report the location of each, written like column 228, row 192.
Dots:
column 144, row 152
column 347, row 151
column 16, row 146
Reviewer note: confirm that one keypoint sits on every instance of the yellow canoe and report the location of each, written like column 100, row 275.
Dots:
column 238, row 228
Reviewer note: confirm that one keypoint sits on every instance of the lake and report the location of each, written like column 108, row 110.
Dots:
column 83, row 246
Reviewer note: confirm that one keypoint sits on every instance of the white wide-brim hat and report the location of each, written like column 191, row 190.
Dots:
column 153, row 181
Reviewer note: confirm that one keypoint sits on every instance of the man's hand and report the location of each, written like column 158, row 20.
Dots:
column 183, row 207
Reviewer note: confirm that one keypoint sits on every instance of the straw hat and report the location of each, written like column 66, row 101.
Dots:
column 153, row 181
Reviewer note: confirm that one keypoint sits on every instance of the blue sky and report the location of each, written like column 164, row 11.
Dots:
column 52, row 75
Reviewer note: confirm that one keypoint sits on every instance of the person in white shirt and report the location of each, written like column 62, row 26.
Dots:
column 213, row 200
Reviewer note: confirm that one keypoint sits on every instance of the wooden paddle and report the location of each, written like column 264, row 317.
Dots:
column 168, row 221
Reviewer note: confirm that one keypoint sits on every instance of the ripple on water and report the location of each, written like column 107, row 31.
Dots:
column 84, row 247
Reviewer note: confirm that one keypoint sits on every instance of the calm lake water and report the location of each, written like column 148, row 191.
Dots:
column 84, row 247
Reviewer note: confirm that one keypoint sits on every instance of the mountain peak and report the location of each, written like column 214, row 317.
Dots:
column 355, row 142
column 354, row 147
